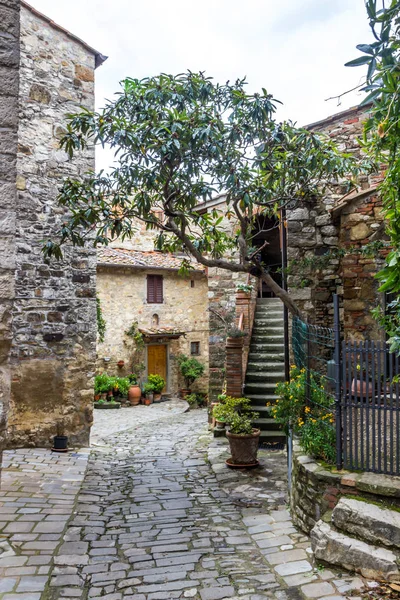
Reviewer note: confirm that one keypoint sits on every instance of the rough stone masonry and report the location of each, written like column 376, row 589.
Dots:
column 48, row 312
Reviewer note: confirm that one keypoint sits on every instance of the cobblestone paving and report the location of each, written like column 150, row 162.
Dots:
column 156, row 518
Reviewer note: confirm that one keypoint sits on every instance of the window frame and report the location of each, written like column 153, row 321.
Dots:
column 154, row 294
column 191, row 349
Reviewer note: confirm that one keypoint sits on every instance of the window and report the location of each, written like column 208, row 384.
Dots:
column 155, row 289
column 192, row 283
column 195, row 348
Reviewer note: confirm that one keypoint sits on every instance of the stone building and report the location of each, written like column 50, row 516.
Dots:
column 48, row 310
column 170, row 311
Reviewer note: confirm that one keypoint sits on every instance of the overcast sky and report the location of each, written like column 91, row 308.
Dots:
column 296, row 49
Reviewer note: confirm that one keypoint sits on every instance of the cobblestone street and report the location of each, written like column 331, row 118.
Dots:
column 157, row 516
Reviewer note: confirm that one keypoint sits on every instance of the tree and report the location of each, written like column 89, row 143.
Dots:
column 382, row 135
column 180, row 140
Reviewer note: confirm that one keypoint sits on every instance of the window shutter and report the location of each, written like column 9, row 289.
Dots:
column 155, row 289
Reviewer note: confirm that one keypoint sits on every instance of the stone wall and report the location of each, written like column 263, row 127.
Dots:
column 361, row 221
column 313, row 230
column 54, row 317
column 9, row 76
column 122, row 293
column 316, row 489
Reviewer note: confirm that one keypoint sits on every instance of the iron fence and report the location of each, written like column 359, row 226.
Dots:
column 360, row 387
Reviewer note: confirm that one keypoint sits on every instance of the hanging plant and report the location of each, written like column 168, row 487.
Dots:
column 101, row 323
column 134, row 333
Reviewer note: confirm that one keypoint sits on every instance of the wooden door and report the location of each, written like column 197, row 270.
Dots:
column 157, row 361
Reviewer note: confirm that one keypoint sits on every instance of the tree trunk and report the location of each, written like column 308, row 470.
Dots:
column 280, row 293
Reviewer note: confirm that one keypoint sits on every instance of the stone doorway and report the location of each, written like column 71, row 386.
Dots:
column 267, row 229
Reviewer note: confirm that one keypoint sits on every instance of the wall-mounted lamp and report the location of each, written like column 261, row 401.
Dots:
column 107, row 359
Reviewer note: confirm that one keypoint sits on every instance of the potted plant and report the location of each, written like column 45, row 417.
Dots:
column 191, row 399
column 134, row 392
column 158, row 384
column 235, row 337
column 60, row 441
column 101, row 386
column 362, row 389
column 242, row 436
column 148, row 390
column 190, row 369
column 104, row 404
column 243, row 291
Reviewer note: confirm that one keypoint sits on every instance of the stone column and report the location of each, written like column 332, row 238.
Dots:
column 9, row 78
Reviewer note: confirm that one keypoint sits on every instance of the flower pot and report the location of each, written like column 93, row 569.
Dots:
column 120, row 364
column 60, row 443
column 234, row 342
column 157, row 397
column 361, row 390
column 134, row 395
column 220, row 424
column 243, row 295
column 103, row 395
column 244, row 448
column 184, row 392
column 149, row 399
column 97, row 397
column 107, row 405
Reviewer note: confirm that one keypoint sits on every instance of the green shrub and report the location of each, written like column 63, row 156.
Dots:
column 148, row 388
column 190, row 368
column 157, row 382
column 191, row 399
column 312, row 422
column 101, row 383
column 237, row 413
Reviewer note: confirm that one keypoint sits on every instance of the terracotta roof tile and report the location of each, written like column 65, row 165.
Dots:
column 141, row 260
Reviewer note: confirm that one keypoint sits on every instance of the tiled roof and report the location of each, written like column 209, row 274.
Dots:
column 356, row 194
column 141, row 260
column 162, row 331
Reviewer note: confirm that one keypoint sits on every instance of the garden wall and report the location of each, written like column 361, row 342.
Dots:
column 316, row 489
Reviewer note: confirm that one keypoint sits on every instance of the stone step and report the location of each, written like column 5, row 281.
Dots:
column 266, row 423
column 273, row 321
column 367, row 521
column 264, row 376
column 265, row 313
column 267, row 338
column 260, row 400
column 263, row 301
column 273, row 356
column 354, row 555
column 269, row 330
column 273, row 437
column 257, row 387
column 265, row 366
column 263, row 347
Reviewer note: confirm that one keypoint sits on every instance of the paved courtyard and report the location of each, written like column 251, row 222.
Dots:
column 151, row 512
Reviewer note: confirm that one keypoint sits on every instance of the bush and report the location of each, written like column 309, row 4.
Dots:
column 157, row 382
column 102, row 383
column 190, row 368
column 148, row 388
column 237, row 413
column 312, row 422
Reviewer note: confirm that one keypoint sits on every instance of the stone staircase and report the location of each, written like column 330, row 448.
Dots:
column 266, row 366
column 361, row 537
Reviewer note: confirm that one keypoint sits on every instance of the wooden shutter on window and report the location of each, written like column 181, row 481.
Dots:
column 155, row 289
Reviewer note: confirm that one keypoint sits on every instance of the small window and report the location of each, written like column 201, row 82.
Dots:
column 155, row 321
column 155, row 289
column 194, row 348
column 192, row 283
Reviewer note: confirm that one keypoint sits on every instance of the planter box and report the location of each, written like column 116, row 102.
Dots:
column 107, row 405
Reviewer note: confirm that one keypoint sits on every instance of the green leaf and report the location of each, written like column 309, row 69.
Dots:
column 361, row 60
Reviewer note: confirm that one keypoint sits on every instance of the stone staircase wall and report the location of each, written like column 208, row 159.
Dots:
column 353, row 518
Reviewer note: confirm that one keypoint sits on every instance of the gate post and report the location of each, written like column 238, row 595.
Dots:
column 338, row 386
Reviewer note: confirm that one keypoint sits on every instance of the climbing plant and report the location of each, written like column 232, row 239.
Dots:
column 101, row 323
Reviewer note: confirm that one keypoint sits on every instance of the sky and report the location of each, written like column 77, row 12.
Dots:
column 296, row 49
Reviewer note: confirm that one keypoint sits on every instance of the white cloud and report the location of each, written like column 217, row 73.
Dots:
column 294, row 48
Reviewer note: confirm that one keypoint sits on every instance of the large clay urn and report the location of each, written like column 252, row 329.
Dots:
column 134, row 395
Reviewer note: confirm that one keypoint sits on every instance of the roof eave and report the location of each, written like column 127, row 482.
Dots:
column 99, row 58
column 143, row 267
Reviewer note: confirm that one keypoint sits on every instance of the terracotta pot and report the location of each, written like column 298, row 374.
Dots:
column 244, row 448
column 103, row 395
column 134, row 395
column 184, row 392
column 243, row 295
column 97, row 397
column 234, row 342
column 149, row 399
column 361, row 390
column 120, row 364
column 157, row 397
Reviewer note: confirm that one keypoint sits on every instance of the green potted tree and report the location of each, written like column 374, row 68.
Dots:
column 158, row 384
column 148, row 390
column 242, row 436
column 190, row 369
column 101, row 386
